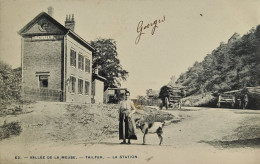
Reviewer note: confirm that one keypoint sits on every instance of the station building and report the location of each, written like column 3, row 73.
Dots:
column 56, row 62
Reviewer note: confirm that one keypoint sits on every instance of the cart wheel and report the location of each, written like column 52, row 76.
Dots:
column 166, row 102
column 239, row 105
column 245, row 105
column 233, row 105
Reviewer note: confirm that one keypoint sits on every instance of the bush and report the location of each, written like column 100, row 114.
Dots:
column 147, row 102
column 7, row 130
column 10, row 82
column 201, row 100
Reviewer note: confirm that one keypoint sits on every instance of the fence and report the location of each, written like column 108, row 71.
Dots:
column 42, row 94
column 149, row 102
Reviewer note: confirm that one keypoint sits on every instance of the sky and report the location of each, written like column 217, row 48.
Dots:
column 191, row 29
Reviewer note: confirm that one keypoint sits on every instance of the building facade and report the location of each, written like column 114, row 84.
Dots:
column 56, row 62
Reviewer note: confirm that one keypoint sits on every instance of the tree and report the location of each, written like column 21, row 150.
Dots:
column 230, row 66
column 106, row 59
column 10, row 82
column 172, row 81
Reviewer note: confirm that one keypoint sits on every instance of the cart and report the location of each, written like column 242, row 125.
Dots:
column 226, row 99
column 173, row 102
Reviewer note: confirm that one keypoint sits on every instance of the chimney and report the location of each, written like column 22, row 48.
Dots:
column 50, row 11
column 70, row 23
column 96, row 71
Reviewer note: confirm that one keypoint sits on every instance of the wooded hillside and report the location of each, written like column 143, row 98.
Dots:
column 232, row 65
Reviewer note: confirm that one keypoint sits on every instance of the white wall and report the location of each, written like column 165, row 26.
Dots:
column 99, row 91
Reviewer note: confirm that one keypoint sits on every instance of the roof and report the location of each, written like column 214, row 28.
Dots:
column 101, row 78
column 177, row 86
column 249, row 90
column 117, row 88
column 234, row 91
column 63, row 28
column 253, row 90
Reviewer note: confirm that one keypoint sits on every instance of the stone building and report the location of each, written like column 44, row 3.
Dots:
column 114, row 95
column 56, row 62
column 152, row 94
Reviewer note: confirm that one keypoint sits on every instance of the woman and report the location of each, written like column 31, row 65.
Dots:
column 126, row 122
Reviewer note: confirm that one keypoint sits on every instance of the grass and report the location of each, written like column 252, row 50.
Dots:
column 13, row 107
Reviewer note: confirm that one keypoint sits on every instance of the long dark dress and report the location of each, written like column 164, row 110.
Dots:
column 126, row 123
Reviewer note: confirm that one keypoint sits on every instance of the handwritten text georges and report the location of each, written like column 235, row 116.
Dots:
column 141, row 28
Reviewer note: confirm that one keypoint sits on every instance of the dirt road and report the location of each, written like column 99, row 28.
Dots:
column 204, row 136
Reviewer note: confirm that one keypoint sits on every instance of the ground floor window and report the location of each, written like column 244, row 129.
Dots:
column 80, row 86
column 43, row 80
column 93, row 88
column 86, row 88
column 72, row 84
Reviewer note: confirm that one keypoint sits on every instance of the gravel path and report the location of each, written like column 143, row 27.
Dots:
column 203, row 135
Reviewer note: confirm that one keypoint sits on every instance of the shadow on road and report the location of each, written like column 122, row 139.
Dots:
column 118, row 144
column 253, row 143
column 115, row 144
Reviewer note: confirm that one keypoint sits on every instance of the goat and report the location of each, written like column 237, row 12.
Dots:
column 154, row 127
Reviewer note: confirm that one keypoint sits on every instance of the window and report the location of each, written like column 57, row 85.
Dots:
column 72, row 84
column 80, row 86
column 87, row 65
column 86, row 88
column 81, row 62
column 72, row 58
column 93, row 88
column 43, row 79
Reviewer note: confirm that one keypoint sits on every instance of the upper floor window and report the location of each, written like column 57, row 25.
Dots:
column 81, row 62
column 73, row 58
column 87, row 65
